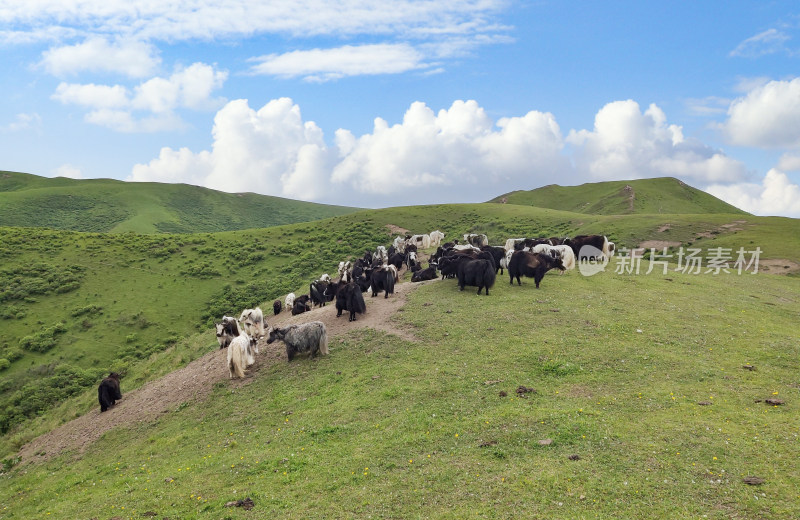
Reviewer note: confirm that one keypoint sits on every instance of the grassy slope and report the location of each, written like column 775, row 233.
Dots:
column 153, row 290
column 663, row 195
column 128, row 274
column 385, row 427
column 102, row 205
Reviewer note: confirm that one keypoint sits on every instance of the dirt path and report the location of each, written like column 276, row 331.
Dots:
column 195, row 381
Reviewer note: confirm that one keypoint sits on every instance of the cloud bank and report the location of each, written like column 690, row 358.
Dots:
column 458, row 154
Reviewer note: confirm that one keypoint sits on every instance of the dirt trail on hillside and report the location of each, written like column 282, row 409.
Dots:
column 195, row 381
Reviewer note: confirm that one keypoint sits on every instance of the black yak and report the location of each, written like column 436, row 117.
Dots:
column 600, row 246
column 476, row 273
column 397, row 260
column 498, row 253
column 108, row 392
column 317, row 291
column 301, row 304
column 424, row 274
column 277, row 307
column 532, row 265
column 349, row 298
column 382, row 280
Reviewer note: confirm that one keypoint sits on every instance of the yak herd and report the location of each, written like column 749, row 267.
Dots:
column 473, row 262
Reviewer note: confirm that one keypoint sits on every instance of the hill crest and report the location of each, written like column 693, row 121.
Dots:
column 109, row 205
column 662, row 195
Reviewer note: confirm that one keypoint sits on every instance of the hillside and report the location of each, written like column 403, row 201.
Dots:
column 570, row 401
column 106, row 205
column 665, row 195
column 76, row 305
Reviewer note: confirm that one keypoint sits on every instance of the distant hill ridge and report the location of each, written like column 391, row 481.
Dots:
column 107, row 205
column 665, row 195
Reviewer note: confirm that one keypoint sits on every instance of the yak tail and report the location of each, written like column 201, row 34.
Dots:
column 489, row 275
column 323, row 341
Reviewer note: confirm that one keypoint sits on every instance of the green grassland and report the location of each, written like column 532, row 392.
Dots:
column 75, row 305
column 645, row 196
column 106, row 205
column 640, row 377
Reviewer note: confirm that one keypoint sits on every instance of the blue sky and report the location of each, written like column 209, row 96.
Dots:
column 406, row 102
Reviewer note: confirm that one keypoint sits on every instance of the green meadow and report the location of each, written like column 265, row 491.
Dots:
column 639, row 405
column 639, row 408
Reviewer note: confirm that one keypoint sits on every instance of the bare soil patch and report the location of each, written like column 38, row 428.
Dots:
column 397, row 230
column 778, row 266
column 195, row 381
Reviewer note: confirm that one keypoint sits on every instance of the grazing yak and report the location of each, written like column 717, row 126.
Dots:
column 383, row 279
column 308, row 338
column 411, row 260
column 108, row 392
column 598, row 242
column 399, row 244
column 317, row 291
column 349, row 298
column 252, row 321
column 226, row 331
column 498, row 253
column 420, row 241
column 276, row 307
column 345, row 271
column 424, row 274
column 567, row 256
column 476, row 240
column 240, row 355
column 436, row 238
column 476, row 273
column 397, row 260
column 532, row 265
column 301, row 304
column 512, row 242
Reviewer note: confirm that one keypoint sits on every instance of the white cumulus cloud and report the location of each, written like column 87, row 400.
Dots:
column 270, row 151
column 349, row 60
column 775, row 195
column 131, row 58
column 152, row 105
column 789, row 162
column 767, row 117
column 92, row 96
column 627, row 143
column 458, row 154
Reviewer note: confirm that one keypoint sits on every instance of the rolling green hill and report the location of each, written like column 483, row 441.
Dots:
column 75, row 305
column 665, row 195
column 106, row 205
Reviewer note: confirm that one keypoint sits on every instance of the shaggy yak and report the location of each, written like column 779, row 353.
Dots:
column 349, row 298
column 240, row 355
column 476, row 273
column 301, row 304
column 308, row 338
column 424, row 274
column 277, row 307
column 532, row 265
column 108, row 392
column 382, row 280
